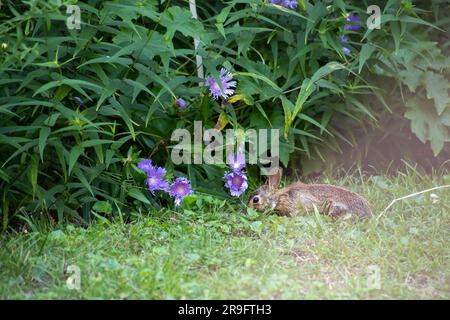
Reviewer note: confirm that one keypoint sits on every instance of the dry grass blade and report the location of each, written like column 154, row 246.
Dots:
column 410, row 196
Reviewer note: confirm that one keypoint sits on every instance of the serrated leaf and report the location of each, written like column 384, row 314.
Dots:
column 180, row 19
column 437, row 89
column 412, row 77
column 426, row 124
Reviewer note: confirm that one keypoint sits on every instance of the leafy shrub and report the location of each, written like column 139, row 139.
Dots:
column 79, row 108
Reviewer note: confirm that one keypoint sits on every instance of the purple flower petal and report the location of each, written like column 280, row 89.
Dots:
column 179, row 189
column 290, row 4
column 354, row 23
column 236, row 162
column 226, row 83
column 343, row 39
column 145, row 165
column 236, row 183
column 350, row 27
column 354, row 18
column 180, row 103
column 346, row 50
column 155, row 179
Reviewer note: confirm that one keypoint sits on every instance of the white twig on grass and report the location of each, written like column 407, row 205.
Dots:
column 409, row 196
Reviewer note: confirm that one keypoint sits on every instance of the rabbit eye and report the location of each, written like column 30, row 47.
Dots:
column 255, row 199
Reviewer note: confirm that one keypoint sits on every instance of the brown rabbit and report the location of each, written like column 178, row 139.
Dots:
column 299, row 198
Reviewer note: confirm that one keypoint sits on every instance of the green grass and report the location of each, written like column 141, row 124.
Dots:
column 213, row 249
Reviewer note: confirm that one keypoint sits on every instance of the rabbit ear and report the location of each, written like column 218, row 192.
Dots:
column 274, row 180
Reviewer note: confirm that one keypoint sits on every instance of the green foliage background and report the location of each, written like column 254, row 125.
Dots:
column 132, row 59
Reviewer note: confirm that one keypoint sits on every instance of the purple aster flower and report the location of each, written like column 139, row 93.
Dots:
column 351, row 27
column 274, row 1
column 343, row 39
column 155, row 179
column 353, row 18
column 179, row 189
column 236, row 183
column 236, row 162
column 290, row 4
column 225, row 82
column 346, row 50
column 354, row 23
column 145, row 165
column 180, row 103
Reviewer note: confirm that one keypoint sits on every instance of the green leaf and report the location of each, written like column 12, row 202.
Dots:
column 74, row 83
column 260, row 77
column 155, row 77
column 308, row 86
column 426, row 124
column 288, row 107
column 138, row 195
column 43, row 135
column 314, row 122
column 286, row 148
column 73, row 156
column 56, row 236
column 306, row 90
column 102, row 207
column 366, row 52
column 412, row 77
column 437, row 88
column 395, row 28
column 262, row 112
column 327, row 69
column 126, row 117
column 316, row 13
column 115, row 58
column 80, row 175
column 180, row 19
column 34, row 170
